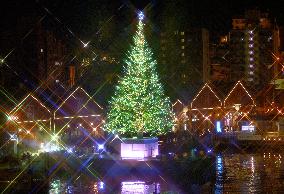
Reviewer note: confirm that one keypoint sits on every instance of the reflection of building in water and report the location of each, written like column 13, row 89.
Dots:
column 57, row 186
column 139, row 187
column 219, row 175
column 98, row 186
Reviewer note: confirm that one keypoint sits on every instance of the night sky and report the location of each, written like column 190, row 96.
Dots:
column 77, row 21
column 77, row 14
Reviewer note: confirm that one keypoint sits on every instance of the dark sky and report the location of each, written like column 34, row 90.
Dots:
column 85, row 18
column 214, row 14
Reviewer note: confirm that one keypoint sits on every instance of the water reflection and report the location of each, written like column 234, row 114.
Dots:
column 219, row 175
column 139, row 187
column 55, row 187
column 99, row 187
column 235, row 173
column 249, row 173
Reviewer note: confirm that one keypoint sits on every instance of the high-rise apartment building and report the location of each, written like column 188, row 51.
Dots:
column 51, row 53
column 253, row 46
column 38, row 55
column 219, row 65
column 184, row 59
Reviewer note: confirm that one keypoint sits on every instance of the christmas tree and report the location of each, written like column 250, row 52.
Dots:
column 139, row 106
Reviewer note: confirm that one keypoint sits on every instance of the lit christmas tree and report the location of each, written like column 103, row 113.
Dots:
column 139, row 105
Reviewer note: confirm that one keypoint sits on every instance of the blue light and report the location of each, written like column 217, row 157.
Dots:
column 218, row 127
column 101, row 185
column 70, row 150
column 141, row 15
column 101, row 146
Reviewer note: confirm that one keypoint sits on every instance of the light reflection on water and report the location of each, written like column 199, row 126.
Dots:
column 219, row 175
column 249, row 173
column 138, row 187
column 235, row 173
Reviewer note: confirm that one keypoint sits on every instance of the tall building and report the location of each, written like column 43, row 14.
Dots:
column 36, row 55
column 51, row 53
column 184, row 60
column 219, row 65
column 253, row 48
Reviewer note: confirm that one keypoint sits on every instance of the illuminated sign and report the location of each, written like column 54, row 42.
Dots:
column 249, row 128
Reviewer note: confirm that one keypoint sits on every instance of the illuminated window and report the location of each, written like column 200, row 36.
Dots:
column 182, row 54
column 182, row 40
column 251, row 72
column 181, row 33
column 182, row 47
column 41, row 50
column 251, row 59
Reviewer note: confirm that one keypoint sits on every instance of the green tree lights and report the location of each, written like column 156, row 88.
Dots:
column 139, row 105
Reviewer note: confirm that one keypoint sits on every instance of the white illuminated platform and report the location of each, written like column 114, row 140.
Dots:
column 139, row 149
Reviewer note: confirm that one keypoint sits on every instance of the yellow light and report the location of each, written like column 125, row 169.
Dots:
column 238, row 83
column 54, row 137
column 203, row 88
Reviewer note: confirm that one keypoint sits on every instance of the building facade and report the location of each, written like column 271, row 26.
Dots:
column 253, row 46
column 184, row 60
